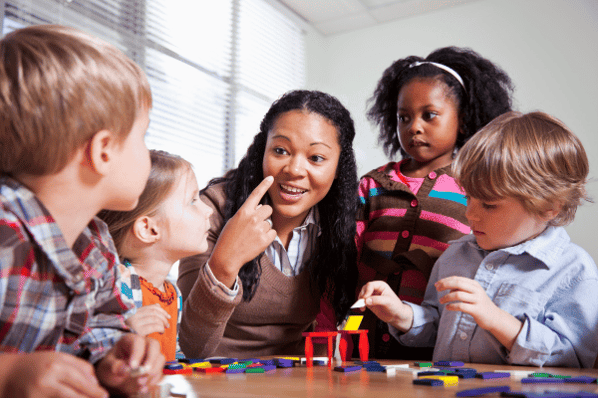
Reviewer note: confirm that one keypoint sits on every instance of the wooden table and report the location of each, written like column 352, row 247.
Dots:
column 321, row 381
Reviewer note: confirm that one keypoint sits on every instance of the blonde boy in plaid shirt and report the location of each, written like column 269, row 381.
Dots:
column 73, row 114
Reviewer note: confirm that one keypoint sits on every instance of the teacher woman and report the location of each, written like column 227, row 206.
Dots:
column 281, row 236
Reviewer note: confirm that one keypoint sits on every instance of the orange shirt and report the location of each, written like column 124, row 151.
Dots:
column 168, row 301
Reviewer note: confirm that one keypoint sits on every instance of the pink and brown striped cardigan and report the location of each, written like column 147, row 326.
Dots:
column 403, row 225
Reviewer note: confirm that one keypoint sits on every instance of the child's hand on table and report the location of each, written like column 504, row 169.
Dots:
column 468, row 296
column 132, row 351
column 383, row 301
column 48, row 374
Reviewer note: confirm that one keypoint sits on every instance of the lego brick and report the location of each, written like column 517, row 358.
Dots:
column 204, row 364
column 581, row 379
column 448, row 380
column 424, row 364
column 542, row 380
column 428, row 382
column 347, row 368
column 545, row 394
column 353, row 322
column 463, row 375
column 173, row 366
column 358, row 304
column 449, row 363
column 186, row 371
column 492, row 375
column 399, row 365
column 476, row 392
column 235, row 370
column 210, row 370
column 223, row 361
column 425, row 373
column 257, row 369
column 191, row 360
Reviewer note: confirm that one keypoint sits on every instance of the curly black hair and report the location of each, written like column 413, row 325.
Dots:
column 333, row 270
column 487, row 92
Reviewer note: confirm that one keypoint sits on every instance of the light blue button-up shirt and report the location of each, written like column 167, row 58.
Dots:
column 548, row 283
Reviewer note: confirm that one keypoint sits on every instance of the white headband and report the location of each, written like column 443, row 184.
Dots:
column 443, row 67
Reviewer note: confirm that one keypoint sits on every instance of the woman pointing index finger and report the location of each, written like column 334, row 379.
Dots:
column 305, row 144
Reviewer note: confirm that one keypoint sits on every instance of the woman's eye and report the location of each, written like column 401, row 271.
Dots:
column 402, row 119
column 488, row 206
column 317, row 158
column 280, row 151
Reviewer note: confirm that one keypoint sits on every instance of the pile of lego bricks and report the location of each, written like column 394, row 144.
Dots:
column 234, row 365
column 445, row 373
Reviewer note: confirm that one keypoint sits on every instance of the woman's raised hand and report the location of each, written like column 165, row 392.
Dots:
column 244, row 237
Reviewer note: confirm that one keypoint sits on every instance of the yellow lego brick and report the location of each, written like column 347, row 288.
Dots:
column 448, row 380
column 200, row 365
column 353, row 322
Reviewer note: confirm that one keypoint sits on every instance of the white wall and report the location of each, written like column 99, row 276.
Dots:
column 549, row 48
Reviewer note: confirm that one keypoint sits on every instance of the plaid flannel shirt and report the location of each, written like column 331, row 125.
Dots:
column 53, row 297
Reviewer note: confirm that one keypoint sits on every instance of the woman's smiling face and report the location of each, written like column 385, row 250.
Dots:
column 302, row 153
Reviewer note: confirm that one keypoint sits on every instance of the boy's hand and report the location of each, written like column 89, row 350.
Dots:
column 149, row 319
column 467, row 295
column 48, row 374
column 244, row 236
column 131, row 351
column 383, row 301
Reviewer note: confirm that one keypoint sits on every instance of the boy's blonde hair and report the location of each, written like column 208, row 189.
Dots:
column 165, row 171
column 58, row 87
column 533, row 157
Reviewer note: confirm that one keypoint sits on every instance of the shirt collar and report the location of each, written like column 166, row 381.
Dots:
column 546, row 247
column 38, row 221
column 312, row 218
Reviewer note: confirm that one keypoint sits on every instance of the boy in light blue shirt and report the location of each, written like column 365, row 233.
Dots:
column 517, row 290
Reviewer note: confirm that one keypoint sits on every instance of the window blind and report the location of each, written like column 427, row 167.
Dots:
column 214, row 66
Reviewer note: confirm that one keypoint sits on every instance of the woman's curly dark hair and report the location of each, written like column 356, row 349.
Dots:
column 487, row 92
column 333, row 270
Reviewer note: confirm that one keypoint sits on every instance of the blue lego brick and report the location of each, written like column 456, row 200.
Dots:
column 475, row 392
column 419, row 374
column 428, row 382
column 449, row 363
column 581, row 379
column 223, row 361
column 173, row 366
column 463, row 375
column 542, row 380
column 492, row 375
column 545, row 394
column 235, row 370
column 191, row 360
column 347, row 368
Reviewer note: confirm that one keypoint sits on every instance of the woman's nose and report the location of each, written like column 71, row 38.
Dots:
column 295, row 166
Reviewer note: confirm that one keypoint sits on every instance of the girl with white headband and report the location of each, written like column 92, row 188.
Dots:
column 426, row 109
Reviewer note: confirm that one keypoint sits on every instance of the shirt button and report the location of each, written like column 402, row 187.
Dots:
column 463, row 336
column 78, row 277
column 489, row 267
column 385, row 337
column 432, row 175
column 405, row 234
column 414, row 203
